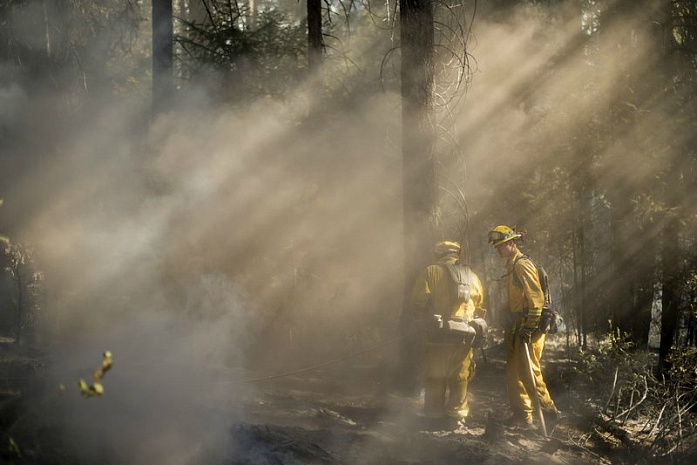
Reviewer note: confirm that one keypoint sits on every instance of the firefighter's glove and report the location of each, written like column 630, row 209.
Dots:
column 526, row 334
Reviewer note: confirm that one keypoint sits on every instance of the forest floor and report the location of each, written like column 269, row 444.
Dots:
column 347, row 414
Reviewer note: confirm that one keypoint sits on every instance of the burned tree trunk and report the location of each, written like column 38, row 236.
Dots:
column 418, row 140
column 162, row 54
column 315, row 47
column 418, row 137
column 314, row 34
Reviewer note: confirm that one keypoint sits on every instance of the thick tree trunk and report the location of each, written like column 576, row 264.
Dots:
column 315, row 48
column 252, row 15
column 418, row 140
column 671, row 253
column 162, row 55
column 314, row 35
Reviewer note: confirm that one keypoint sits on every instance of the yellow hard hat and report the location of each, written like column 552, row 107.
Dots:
column 501, row 234
column 446, row 247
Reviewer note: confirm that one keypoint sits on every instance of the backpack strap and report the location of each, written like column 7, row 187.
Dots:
column 459, row 275
column 452, row 272
column 543, row 285
column 516, row 279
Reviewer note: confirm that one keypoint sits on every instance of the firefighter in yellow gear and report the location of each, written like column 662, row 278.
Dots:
column 525, row 302
column 447, row 367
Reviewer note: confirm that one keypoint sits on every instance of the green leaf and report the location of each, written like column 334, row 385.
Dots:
column 14, row 448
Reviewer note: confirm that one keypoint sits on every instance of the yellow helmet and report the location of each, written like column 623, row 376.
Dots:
column 501, row 234
column 446, row 247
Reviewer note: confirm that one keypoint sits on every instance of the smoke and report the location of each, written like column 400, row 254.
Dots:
column 12, row 98
column 212, row 250
column 176, row 385
column 550, row 102
column 218, row 243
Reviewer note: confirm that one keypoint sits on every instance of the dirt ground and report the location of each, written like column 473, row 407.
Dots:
column 348, row 414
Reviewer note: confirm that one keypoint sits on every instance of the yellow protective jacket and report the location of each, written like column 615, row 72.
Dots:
column 431, row 293
column 525, row 295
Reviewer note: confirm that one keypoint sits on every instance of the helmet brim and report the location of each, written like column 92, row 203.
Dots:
column 503, row 241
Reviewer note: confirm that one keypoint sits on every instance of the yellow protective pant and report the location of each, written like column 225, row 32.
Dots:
column 447, row 370
column 518, row 379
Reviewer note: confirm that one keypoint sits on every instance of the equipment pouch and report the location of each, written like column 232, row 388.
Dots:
column 480, row 328
column 451, row 332
column 459, row 331
column 550, row 321
column 457, row 326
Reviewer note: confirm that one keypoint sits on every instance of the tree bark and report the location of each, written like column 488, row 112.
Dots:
column 670, row 293
column 670, row 251
column 314, row 34
column 162, row 55
column 252, row 16
column 418, row 158
column 315, row 48
column 418, row 137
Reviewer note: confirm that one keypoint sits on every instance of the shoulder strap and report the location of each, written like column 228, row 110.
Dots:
column 459, row 273
column 452, row 272
column 516, row 278
column 460, row 281
column 541, row 275
column 466, row 274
